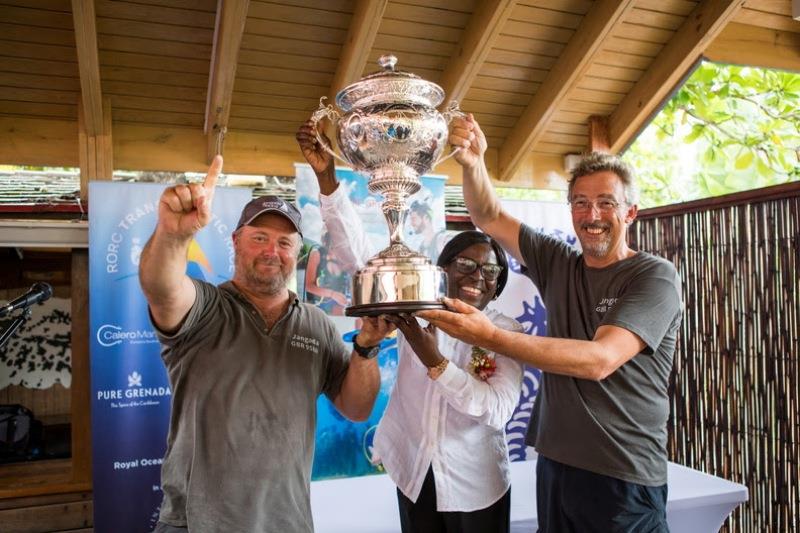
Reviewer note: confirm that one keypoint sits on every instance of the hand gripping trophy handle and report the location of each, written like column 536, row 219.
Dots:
column 323, row 112
column 449, row 114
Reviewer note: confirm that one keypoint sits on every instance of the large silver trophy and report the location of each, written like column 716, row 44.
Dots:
column 391, row 131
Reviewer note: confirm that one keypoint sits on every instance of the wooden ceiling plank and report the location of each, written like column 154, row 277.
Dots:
column 401, row 44
column 462, row 6
column 548, row 17
column 37, row 17
column 482, row 31
column 38, row 66
column 675, row 7
column 154, row 30
column 513, row 73
column 88, row 65
column 133, row 11
column 31, row 34
column 45, row 96
column 24, row 81
column 580, row 7
column 228, row 31
column 765, row 19
column 420, row 30
column 292, row 30
column 158, row 77
column 527, row 45
column 292, row 75
column 367, row 17
column 508, row 57
column 670, row 66
column 185, row 94
column 505, row 85
column 300, row 15
column 269, row 43
column 38, row 109
column 110, row 58
column 518, row 28
column 40, row 51
column 597, row 25
column 427, row 15
column 280, row 88
column 656, row 19
column 156, row 47
column 742, row 44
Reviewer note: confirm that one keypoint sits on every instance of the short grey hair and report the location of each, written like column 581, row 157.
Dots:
column 600, row 162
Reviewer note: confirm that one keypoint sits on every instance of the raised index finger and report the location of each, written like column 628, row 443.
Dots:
column 213, row 174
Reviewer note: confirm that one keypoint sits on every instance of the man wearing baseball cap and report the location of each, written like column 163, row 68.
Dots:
column 246, row 362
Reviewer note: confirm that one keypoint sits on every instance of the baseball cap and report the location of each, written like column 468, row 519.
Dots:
column 269, row 204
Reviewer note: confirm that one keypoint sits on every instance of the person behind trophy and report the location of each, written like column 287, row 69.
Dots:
column 613, row 313
column 246, row 363
column 441, row 438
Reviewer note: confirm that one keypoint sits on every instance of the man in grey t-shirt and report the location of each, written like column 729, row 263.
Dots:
column 599, row 419
column 246, row 362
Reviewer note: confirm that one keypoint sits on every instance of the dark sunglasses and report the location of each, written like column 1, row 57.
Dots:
column 490, row 271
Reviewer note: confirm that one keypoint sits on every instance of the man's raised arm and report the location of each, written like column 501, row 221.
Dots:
column 183, row 210
column 479, row 196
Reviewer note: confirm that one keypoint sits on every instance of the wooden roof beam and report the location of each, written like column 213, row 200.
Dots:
column 357, row 45
column 596, row 26
column 699, row 29
column 228, row 31
column 742, row 44
column 477, row 40
column 83, row 17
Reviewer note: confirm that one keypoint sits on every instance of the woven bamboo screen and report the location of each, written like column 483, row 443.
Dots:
column 736, row 385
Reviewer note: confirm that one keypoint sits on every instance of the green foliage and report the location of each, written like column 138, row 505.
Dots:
column 728, row 129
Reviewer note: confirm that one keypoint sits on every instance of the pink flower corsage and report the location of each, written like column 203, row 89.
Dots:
column 482, row 363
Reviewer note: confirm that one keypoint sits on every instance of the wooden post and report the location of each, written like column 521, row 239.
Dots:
column 598, row 134
column 80, row 399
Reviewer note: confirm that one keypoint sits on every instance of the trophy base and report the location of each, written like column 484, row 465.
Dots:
column 391, row 308
column 392, row 284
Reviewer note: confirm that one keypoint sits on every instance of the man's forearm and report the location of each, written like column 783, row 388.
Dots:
column 359, row 389
column 569, row 357
column 479, row 196
column 162, row 267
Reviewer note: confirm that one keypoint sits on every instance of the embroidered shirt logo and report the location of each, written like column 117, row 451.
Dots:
column 306, row 343
column 605, row 305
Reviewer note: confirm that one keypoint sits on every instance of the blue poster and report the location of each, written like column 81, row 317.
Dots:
column 130, row 391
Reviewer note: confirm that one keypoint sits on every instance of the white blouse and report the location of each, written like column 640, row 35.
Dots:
column 454, row 424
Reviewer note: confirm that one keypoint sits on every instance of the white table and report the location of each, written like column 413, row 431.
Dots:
column 697, row 502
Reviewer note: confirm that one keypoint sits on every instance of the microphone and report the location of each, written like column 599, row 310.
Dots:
column 39, row 292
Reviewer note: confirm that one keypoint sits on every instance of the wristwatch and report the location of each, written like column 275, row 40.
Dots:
column 367, row 352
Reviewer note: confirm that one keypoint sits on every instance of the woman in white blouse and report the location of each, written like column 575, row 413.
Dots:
column 442, row 436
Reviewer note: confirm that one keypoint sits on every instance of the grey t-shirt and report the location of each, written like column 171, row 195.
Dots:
column 617, row 426
column 241, row 437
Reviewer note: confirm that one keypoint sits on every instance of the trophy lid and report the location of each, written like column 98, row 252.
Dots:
column 389, row 86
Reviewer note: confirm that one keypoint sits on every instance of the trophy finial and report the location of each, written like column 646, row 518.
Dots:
column 387, row 62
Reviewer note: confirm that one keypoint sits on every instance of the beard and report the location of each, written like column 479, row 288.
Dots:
column 600, row 246
column 260, row 282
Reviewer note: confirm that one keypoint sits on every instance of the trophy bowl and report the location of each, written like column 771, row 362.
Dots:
column 390, row 130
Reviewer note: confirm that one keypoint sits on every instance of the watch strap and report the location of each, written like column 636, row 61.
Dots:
column 367, row 352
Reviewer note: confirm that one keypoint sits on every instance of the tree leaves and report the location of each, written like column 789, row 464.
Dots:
column 728, row 128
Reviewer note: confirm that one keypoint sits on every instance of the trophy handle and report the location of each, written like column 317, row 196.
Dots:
column 449, row 114
column 326, row 111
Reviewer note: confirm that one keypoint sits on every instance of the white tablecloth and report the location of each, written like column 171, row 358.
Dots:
column 697, row 502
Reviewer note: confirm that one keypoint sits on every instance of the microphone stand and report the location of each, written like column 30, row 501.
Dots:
column 14, row 326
